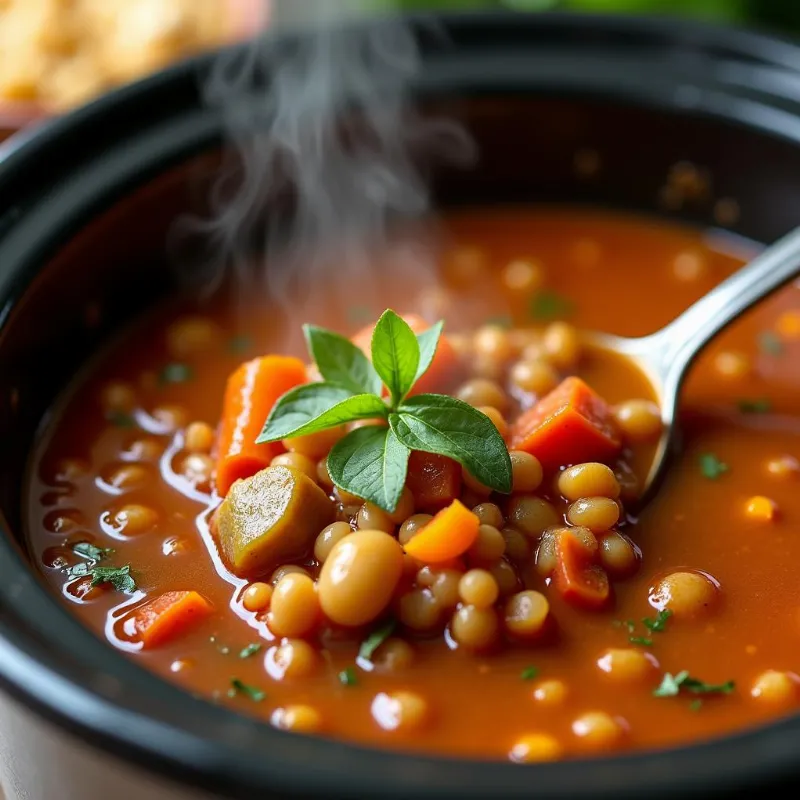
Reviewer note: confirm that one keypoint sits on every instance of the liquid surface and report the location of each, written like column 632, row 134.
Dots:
column 621, row 275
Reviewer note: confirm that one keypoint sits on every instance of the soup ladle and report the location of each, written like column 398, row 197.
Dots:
column 665, row 356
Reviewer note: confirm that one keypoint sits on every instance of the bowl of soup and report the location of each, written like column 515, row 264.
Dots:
column 380, row 537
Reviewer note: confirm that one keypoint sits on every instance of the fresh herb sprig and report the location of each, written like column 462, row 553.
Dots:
column 371, row 461
column 119, row 577
column 672, row 685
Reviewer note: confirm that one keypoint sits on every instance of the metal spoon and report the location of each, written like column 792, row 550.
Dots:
column 665, row 356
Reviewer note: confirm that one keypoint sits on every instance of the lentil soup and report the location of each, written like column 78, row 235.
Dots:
column 531, row 621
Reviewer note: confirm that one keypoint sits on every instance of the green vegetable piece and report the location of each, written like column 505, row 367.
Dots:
column 711, row 467
column 253, row 692
column 250, row 650
column 176, row 373
column 376, row 639
column 659, row 624
column 269, row 518
column 348, row 677
column 671, row 685
column 119, row 577
column 529, row 673
column 91, row 551
column 759, row 406
column 370, row 462
column 641, row 640
column 549, row 305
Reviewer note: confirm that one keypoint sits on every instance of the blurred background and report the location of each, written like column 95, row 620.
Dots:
column 57, row 54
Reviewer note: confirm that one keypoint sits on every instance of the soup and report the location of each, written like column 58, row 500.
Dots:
column 530, row 613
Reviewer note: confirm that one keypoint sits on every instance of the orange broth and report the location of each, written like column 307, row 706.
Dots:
column 620, row 274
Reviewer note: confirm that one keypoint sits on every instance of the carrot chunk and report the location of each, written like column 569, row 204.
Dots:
column 443, row 368
column 449, row 534
column 251, row 392
column 570, row 425
column 579, row 581
column 434, row 480
column 168, row 616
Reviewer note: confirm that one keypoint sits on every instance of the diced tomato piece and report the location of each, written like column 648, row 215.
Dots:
column 443, row 369
column 570, row 425
column 434, row 480
column 579, row 581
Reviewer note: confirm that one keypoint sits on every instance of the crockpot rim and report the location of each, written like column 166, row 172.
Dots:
column 35, row 676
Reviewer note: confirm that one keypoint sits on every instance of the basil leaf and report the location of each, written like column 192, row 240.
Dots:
column 315, row 407
column 370, row 462
column 439, row 424
column 395, row 354
column 428, row 342
column 340, row 361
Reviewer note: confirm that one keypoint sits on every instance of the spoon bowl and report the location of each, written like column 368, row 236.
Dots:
column 664, row 357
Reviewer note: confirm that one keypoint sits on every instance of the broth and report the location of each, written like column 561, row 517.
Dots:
column 620, row 274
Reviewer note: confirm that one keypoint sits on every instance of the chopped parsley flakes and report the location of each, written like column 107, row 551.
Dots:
column 250, row 650
column 239, row 687
column 548, row 305
column 711, row 467
column 119, row 577
column 672, row 685
column 348, row 677
column 176, row 373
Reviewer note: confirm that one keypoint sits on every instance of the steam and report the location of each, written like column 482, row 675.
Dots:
column 328, row 160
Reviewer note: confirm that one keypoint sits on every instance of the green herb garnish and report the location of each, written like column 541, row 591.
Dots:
column 239, row 345
column 120, row 419
column 641, row 640
column 550, row 305
column 529, row 673
column 376, row 639
column 239, row 687
column 696, row 704
column 671, row 685
column 759, row 406
column 91, row 551
column 348, row 677
column 176, row 373
column 659, row 624
column 770, row 343
column 119, row 577
column 711, row 467
column 250, row 650
column 371, row 461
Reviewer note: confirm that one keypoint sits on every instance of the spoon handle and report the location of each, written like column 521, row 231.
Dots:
column 679, row 342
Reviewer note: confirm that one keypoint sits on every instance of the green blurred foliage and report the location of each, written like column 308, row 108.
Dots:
column 760, row 13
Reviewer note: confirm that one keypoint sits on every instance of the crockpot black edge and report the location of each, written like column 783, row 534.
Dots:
column 54, row 180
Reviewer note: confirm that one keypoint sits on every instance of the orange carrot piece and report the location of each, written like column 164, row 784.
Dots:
column 449, row 534
column 570, row 425
column 251, row 392
column 580, row 582
column 444, row 367
column 434, row 480
column 168, row 616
